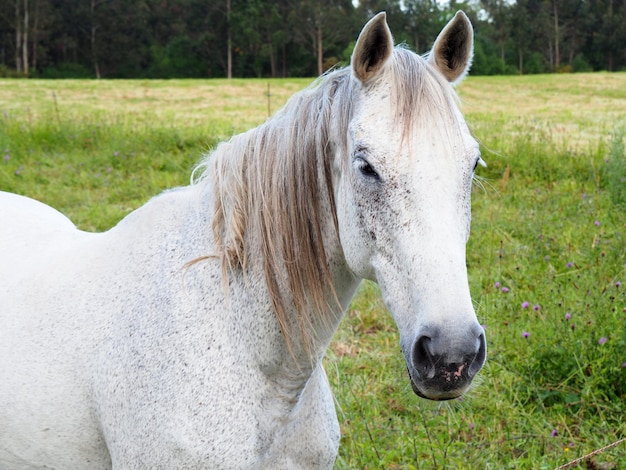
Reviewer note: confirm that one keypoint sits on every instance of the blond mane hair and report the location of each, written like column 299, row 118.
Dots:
column 273, row 185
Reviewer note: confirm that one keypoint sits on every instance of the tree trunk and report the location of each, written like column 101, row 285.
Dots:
column 94, row 53
column 18, row 37
column 25, row 40
column 320, row 51
column 229, row 43
column 35, row 35
column 557, row 54
column 284, row 74
column 550, row 54
column 270, row 45
column 609, row 63
column 94, row 50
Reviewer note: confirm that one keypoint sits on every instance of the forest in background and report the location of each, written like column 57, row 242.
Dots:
column 291, row 38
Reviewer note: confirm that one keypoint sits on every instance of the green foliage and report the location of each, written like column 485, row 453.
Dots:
column 485, row 60
column 67, row 70
column 488, row 58
column 536, row 63
column 581, row 64
column 192, row 38
column 178, row 59
column 6, row 72
column 546, row 259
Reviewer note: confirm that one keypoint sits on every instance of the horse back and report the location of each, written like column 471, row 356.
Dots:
column 28, row 230
column 20, row 213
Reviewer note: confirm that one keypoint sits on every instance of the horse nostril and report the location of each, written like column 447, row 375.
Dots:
column 423, row 360
column 480, row 357
column 434, row 356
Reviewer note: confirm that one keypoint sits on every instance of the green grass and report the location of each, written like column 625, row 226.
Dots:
column 549, row 225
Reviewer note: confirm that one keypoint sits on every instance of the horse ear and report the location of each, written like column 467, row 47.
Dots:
column 372, row 49
column 453, row 49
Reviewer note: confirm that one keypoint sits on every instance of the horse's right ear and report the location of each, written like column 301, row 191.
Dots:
column 372, row 49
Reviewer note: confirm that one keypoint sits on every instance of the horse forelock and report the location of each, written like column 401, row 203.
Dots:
column 273, row 186
column 423, row 98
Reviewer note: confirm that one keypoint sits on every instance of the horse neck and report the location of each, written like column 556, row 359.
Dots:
column 312, row 330
column 274, row 198
column 275, row 213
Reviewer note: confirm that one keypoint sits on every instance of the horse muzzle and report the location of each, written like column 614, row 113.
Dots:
column 441, row 368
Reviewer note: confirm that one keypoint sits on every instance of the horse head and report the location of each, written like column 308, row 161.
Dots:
column 403, row 177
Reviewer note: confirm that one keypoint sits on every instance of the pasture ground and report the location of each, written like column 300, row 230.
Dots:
column 546, row 259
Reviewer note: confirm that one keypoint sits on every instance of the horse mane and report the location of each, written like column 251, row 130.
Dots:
column 273, row 186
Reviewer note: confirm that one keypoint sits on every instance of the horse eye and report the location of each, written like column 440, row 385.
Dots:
column 365, row 168
column 481, row 162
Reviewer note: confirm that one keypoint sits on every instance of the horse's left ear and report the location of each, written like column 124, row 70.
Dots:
column 372, row 49
column 454, row 48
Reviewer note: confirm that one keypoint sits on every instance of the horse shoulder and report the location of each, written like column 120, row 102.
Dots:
column 202, row 362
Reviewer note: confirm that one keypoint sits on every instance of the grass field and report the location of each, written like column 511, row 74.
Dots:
column 547, row 256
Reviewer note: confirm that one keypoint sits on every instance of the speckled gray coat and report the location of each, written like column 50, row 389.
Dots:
column 132, row 349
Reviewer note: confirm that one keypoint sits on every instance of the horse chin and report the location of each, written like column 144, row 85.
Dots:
column 435, row 396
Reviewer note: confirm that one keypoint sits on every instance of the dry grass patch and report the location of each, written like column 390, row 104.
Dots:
column 578, row 109
column 234, row 106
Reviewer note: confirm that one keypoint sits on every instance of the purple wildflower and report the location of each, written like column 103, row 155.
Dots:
column 597, row 222
column 570, row 264
column 568, row 316
column 623, row 365
column 525, row 304
column 505, row 289
column 618, row 284
column 602, row 340
column 536, row 308
column 496, row 285
column 7, row 157
column 554, row 433
column 525, row 334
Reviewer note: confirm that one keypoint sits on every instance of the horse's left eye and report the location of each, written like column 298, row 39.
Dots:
column 365, row 168
column 479, row 161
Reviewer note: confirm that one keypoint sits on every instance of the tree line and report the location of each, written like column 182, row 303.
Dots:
column 262, row 38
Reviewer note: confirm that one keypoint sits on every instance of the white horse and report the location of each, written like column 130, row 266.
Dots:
column 191, row 335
